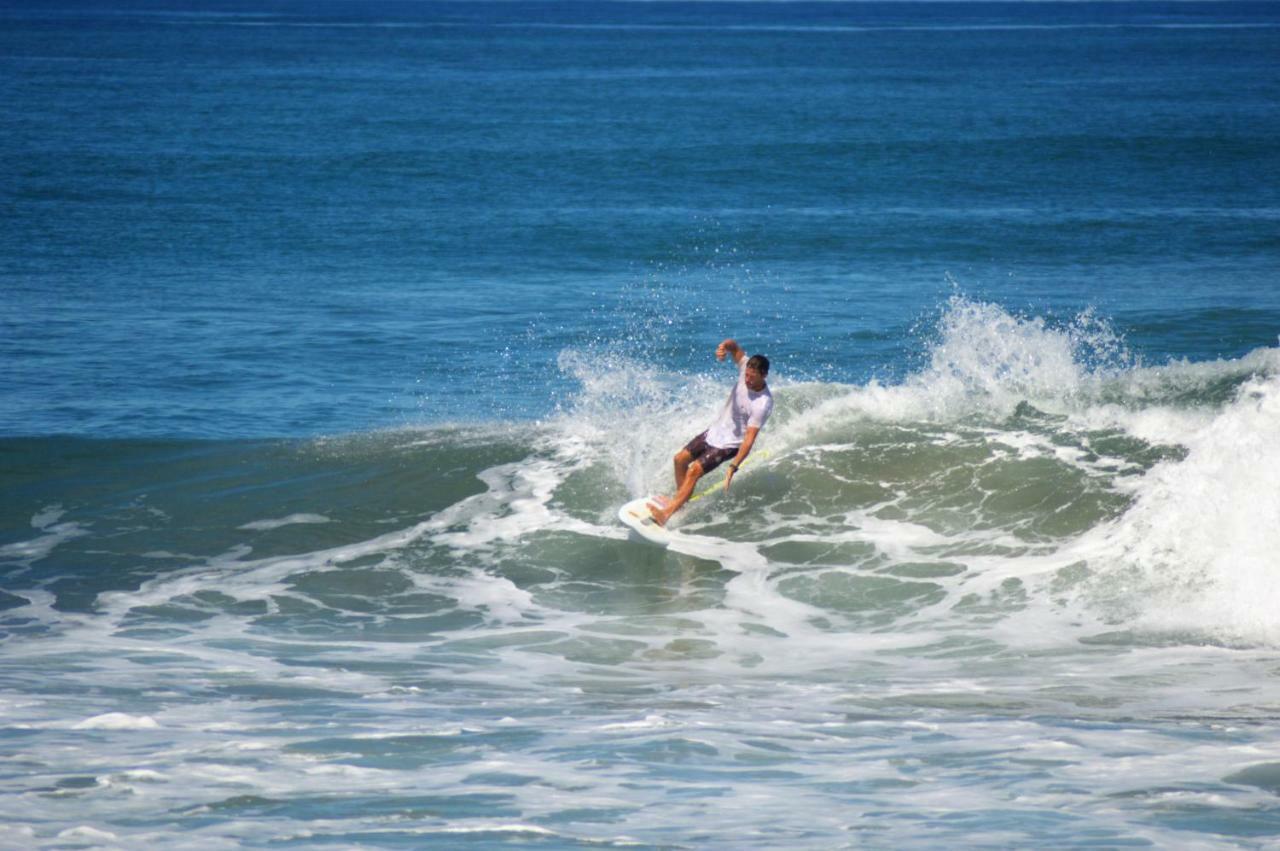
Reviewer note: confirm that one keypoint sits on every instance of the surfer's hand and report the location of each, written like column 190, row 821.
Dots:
column 728, row 477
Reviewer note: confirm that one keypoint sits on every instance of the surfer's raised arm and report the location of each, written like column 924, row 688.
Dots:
column 730, row 347
column 729, row 437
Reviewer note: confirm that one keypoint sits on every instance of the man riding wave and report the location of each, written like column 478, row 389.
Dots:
column 731, row 436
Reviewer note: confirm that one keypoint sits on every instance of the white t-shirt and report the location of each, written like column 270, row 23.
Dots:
column 743, row 410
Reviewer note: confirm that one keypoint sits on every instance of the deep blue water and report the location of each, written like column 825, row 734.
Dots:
column 278, row 219
column 334, row 334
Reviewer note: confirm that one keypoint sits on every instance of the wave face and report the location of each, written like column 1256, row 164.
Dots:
column 935, row 611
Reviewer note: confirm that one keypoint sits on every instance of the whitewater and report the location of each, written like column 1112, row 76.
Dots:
column 1023, row 596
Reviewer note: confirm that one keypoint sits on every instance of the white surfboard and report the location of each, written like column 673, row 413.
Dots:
column 636, row 515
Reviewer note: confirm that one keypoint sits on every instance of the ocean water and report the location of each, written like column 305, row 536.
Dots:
column 334, row 334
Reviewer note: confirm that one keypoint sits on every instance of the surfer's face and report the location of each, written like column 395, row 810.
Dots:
column 754, row 379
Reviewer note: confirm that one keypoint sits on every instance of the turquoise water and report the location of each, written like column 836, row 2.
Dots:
column 335, row 334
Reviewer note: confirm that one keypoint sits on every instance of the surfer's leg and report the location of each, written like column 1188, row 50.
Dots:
column 685, row 456
column 661, row 514
column 681, row 464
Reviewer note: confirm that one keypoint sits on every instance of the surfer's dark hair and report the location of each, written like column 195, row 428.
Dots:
column 759, row 363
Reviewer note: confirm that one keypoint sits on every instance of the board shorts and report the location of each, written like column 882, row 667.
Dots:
column 707, row 455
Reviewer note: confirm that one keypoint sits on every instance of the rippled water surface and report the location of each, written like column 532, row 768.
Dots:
column 335, row 336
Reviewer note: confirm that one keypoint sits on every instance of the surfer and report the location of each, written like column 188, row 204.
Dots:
column 730, row 436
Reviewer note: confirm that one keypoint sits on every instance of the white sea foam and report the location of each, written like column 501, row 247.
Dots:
column 498, row 827
column 47, row 516
column 634, row 413
column 650, row 722
column 117, row 721
column 85, row 833
column 983, row 360
column 291, row 520
column 55, row 534
column 1150, row 400
column 1200, row 548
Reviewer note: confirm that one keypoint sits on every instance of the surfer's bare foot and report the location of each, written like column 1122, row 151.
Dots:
column 660, row 515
